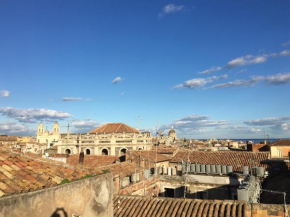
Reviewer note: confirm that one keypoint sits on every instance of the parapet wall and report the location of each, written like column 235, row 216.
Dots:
column 267, row 210
column 89, row 197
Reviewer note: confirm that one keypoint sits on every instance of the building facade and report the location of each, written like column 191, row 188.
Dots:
column 113, row 139
column 49, row 138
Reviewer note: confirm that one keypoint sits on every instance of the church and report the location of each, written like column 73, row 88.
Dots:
column 49, row 138
column 113, row 139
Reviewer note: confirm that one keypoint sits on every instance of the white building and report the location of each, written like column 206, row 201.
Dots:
column 110, row 139
column 47, row 137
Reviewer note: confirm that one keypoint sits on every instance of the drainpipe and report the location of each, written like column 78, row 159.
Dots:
column 81, row 158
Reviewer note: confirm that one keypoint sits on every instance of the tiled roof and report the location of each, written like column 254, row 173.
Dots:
column 130, row 206
column 114, row 128
column 164, row 149
column 235, row 158
column 58, row 155
column 149, row 155
column 123, row 169
column 8, row 138
column 33, row 143
column 92, row 160
column 282, row 142
column 20, row 174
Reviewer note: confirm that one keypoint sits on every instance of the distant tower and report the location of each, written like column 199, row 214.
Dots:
column 172, row 133
column 55, row 129
column 40, row 129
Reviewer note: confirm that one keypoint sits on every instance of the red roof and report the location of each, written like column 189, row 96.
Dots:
column 173, row 207
column 237, row 159
column 123, row 169
column 282, row 142
column 150, row 155
column 92, row 160
column 114, row 128
column 20, row 174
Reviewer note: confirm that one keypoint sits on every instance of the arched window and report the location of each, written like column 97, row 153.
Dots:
column 67, row 151
column 88, row 151
column 105, row 151
column 123, row 151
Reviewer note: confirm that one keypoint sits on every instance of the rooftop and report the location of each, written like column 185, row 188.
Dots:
column 281, row 142
column 156, row 207
column 8, row 138
column 149, row 155
column 114, row 128
column 19, row 174
column 123, row 169
column 235, row 158
column 92, row 160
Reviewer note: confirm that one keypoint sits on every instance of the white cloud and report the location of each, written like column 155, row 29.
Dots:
column 239, row 83
column 271, row 121
column 278, row 79
column 199, row 82
column 283, row 53
column 5, row 93
column 286, row 44
column 117, row 80
column 13, row 128
column 71, row 99
column 246, row 60
column 84, row 125
column 171, row 8
column 211, row 70
column 241, row 71
column 276, row 123
column 75, row 99
column 195, row 123
column 34, row 115
column 285, row 126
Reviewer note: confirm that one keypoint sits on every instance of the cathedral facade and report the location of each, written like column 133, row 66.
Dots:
column 49, row 138
column 113, row 139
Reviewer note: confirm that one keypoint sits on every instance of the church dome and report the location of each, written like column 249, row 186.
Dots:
column 171, row 131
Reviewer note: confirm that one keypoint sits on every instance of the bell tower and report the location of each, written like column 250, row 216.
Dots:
column 40, row 129
column 55, row 129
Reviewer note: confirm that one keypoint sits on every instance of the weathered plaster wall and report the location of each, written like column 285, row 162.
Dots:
column 198, row 190
column 147, row 187
column 89, row 197
column 266, row 210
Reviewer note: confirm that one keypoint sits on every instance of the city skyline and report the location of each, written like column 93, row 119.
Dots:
column 210, row 69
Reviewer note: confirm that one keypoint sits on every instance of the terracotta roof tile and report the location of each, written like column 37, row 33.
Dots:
column 168, row 207
column 149, row 155
column 123, row 169
column 282, row 142
column 114, row 128
column 92, row 160
column 21, row 174
column 236, row 159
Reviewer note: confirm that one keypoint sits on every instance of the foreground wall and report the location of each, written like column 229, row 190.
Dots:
column 89, row 197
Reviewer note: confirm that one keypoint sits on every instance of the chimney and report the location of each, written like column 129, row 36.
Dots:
column 81, row 158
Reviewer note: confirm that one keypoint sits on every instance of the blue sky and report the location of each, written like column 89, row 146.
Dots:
column 209, row 68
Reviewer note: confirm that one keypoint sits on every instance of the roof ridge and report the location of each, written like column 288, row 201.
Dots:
column 118, row 127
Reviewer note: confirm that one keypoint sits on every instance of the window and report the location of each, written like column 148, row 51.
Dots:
column 279, row 152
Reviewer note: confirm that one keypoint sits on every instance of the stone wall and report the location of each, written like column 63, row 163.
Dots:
column 89, row 197
column 147, row 187
column 266, row 210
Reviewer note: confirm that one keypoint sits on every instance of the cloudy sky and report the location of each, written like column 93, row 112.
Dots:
column 209, row 68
